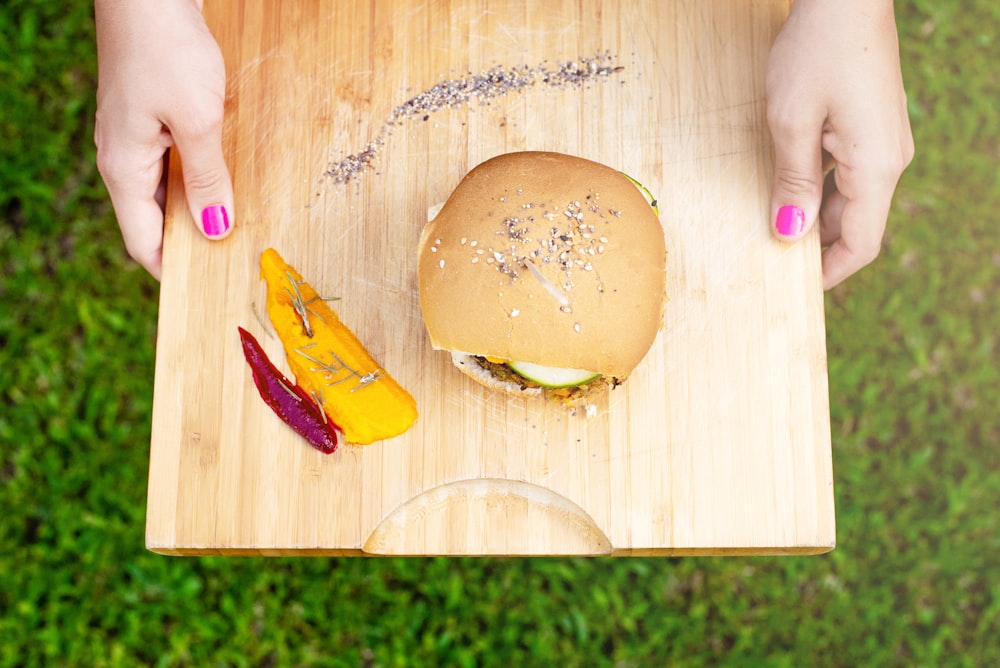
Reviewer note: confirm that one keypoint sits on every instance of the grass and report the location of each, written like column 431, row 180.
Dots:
column 914, row 379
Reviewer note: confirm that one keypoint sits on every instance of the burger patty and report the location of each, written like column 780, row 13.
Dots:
column 505, row 374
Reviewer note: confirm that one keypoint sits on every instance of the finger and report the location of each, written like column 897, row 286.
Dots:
column 141, row 223
column 161, row 188
column 831, row 211
column 798, row 172
column 207, row 183
column 862, row 225
column 132, row 172
column 866, row 178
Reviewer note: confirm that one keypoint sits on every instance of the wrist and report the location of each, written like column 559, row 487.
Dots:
column 112, row 5
column 872, row 9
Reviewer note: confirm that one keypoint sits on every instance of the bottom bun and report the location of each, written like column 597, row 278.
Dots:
column 476, row 368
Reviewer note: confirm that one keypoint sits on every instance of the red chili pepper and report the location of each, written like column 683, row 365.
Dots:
column 289, row 401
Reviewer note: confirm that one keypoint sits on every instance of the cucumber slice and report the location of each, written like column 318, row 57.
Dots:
column 555, row 377
column 645, row 191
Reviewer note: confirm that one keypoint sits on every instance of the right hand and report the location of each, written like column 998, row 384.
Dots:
column 835, row 86
column 161, row 82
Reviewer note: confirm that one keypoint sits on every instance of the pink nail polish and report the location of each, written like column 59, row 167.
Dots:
column 214, row 220
column 791, row 220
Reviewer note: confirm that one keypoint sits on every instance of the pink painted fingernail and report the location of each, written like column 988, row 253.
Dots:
column 214, row 220
column 791, row 220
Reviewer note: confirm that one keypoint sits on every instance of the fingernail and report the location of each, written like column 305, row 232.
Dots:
column 790, row 221
column 214, row 220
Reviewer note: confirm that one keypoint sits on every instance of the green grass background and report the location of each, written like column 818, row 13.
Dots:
column 914, row 397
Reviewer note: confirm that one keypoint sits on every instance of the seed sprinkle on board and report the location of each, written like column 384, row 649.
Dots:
column 481, row 88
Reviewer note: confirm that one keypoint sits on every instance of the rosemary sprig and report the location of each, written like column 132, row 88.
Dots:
column 334, row 370
column 289, row 390
column 301, row 306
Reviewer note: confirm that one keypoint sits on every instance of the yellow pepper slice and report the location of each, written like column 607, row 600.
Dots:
column 330, row 363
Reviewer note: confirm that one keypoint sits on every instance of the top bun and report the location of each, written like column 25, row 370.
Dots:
column 545, row 258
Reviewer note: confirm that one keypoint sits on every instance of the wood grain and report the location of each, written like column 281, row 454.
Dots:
column 718, row 444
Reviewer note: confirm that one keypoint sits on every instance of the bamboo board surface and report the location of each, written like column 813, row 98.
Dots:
column 719, row 443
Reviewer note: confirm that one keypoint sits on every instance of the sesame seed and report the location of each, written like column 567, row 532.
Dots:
column 515, row 312
column 562, row 247
column 441, row 264
column 480, row 88
column 565, row 309
column 576, row 327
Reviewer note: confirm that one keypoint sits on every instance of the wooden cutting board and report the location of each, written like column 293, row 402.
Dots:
column 719, row 443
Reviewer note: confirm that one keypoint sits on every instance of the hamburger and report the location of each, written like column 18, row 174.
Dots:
column 544, row 274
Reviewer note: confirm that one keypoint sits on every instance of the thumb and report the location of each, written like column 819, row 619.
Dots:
column 207, row 184
column 798, row 180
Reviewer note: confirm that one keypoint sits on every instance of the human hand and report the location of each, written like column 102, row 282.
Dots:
column 834, row 89
column 161, row 82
